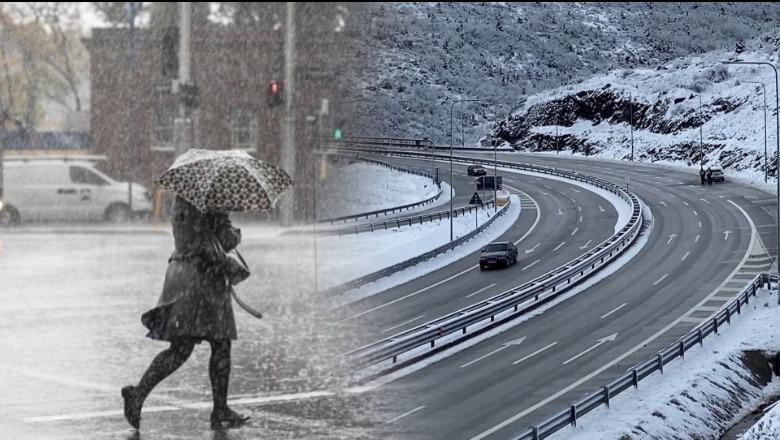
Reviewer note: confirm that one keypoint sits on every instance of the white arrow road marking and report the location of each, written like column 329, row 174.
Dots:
column 602, row 209
column 726, row 235
column 534, row 353
column 705, row 201
column 402, row 324
column 671, row 237
column 528, row 251
column 602, row 341
column 696, row 240
column 586, row 245
column 529, row 265
column 615, row 310
column 559, row 246
column 574, row 231
column 408, row 413
column 480, row 290
column 695, row 213
column 560, row 212
column 508, row 344
column 685, row 256
column 661, row 279
column 664, row 203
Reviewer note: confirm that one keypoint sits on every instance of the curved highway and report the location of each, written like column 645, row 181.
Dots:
column 697, row 254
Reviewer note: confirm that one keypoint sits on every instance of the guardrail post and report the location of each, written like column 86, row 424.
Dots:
column 635, row 378
column 728, row 315
column 747, row 298
column 535, row 433
column 701, row 338
column 661, row 362
column 753, row 290
column 715, row 323
column 399, row 222
column 606, row 395
column 682, row 349
column 573, row 415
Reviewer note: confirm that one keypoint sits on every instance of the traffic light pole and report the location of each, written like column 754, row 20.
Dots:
column 287, row 157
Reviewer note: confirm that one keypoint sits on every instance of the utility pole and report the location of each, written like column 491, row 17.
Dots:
column 287, row 158
column 131, row 77
column 182, row 86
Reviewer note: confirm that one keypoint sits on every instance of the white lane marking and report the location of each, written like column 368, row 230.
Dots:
column 586, row 245
column 602, row 341
column 699, row 225
column 559, row 246
column 574, row 231
column 602, row 209
column 685, row 203
column 580, row 219
column 663, row 203
column 721, row 197
column 575, row 190
column 705, row 201
column 480, row 290
column 534, row 353
column 671, row 237
column 572, row 200
column 528, row 251
column 661, row 279
column 408, row 413
column 560, row 212
column 696, row 240
column 529, row 265
column 685, row 256
column 547, row 186
column 614, row 310
column 579, row 208
column 401, row 324
column 628, row 353
column 506, row 345
column 695, row 213
column 726, row 235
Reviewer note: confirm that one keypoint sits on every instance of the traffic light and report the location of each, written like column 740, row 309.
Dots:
column 336, row 134
column 275, row 96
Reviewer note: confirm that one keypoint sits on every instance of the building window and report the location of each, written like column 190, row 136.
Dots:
column 162, row 121
column 243, row 130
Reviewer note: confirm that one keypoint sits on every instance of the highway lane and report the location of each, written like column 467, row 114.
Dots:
column 568, row 223
column 698, row 240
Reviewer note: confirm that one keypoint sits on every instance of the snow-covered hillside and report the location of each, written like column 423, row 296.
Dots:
column 592, row 118
column 425, row 54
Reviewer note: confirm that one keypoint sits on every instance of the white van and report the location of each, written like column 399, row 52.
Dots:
column 66, row 190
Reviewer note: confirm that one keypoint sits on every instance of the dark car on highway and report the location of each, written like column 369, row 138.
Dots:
column 502, row 253
column 476, row 170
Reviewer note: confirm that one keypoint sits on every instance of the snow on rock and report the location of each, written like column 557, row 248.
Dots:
column 593, row 117
column 701, row 396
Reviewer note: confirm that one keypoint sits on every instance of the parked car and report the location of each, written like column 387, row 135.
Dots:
column 476, row 170
column 717, row 173
column 66, row 190
column 498, row 253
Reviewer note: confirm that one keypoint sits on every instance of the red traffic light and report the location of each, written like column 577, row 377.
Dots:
column 274, row 88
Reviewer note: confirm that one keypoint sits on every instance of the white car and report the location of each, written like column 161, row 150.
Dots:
column 66, row 190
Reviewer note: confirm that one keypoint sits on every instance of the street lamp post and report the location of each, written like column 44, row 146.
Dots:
column 701, row 135
column 451, row 173
column 631, row 122
column 777, row 157
column 763, row 92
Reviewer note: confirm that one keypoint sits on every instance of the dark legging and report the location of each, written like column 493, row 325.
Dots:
column 170, row 359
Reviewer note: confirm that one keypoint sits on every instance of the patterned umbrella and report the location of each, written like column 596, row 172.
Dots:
column 225, row 181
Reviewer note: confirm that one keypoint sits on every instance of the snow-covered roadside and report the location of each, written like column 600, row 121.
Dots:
column 385, row 248
column 768, row 428
column 697, row 397
column 364, row 187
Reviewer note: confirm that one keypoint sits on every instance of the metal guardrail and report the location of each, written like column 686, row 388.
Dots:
column 392, row 210
column 399, row 222
column 407, row 143
column 637, row 373
column 413, row 261
column 518, row 300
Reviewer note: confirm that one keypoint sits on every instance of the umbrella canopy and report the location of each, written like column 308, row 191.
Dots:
column 225, row 181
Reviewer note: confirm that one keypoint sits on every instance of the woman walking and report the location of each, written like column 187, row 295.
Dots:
column 195, row 306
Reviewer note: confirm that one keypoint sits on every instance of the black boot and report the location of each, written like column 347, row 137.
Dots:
column 133, row 404
column 227, row 418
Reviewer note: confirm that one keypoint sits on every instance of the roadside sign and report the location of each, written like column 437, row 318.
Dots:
column 475, row 200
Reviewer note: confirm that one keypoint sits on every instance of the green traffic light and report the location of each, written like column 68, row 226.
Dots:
column 337, row 134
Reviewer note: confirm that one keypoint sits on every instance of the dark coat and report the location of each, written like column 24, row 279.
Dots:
column 195, row 300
